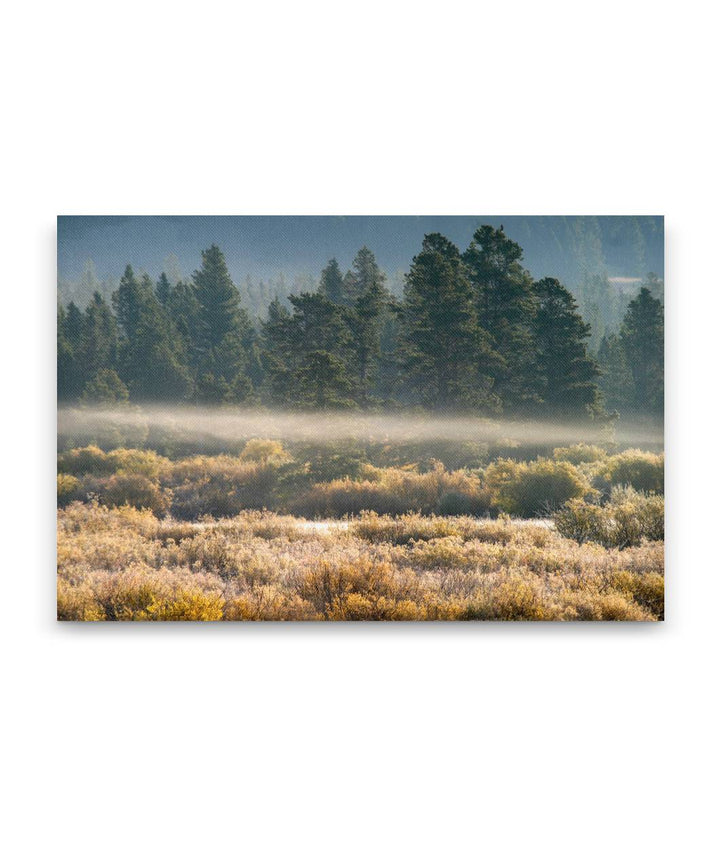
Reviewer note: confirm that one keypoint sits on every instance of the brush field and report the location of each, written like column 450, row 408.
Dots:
column 283, row 534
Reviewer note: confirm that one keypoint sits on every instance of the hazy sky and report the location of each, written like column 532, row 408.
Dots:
column 267, row 246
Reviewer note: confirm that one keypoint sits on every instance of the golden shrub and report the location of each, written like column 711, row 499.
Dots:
column 125, row 564
column 534, row 488
column 262, row 451
column 643, row 471
column 580, row 453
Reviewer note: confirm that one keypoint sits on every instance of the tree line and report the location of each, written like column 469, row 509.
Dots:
column 473, row 331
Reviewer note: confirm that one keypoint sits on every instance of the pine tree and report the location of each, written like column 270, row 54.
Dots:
column 305, row 354
column 322, row 382
column 183, row 310
column 566, row 372
column 153, row 363
column 128, row 302
column 105, row 388
column 317, row 324
column 616, row 380
column 364, row 319
column 319, row 342
column 440, row 337
column 275, row 354
column 505, row 307
column 163, row 289
column 74, row 326
column 643, row 337
column 69, row 339
column 222, row 323
column 331, row 283
column 388, row 375
column 99, row 343
column 151, row 351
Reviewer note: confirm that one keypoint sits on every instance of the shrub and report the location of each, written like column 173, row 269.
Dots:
column 402, row 530
column 68, row 489
column 515, row 598
column 602, row 606
column 269, row 603
column 262, row 451
column 220, row 486
column 77, row 603
column 580, row 453
column 395, row 491
column 135, row 490
column 534, row 488
column 409, row 528
column 641, row 470
column 582, row 521
column 187, row 605
column 624, row 521
column 89, row 459
column 142, row 461
column 454, row 503
column 647, row 590
column 366, row 590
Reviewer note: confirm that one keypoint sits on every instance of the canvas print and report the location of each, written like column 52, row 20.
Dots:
column 408, row 418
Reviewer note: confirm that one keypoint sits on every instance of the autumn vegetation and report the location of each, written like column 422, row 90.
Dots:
column 275, row 533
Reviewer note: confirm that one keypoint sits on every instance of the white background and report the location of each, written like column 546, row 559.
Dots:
column 359, row 739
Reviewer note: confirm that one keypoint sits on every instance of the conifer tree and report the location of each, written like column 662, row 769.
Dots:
column 364, row 320
column 643, row 337
column 566, row 372
column 153, row 365
column 105, row 388
column 440, row 337
column 331, row 283
column 275, row 353
column 222, row 323
column 128, row 302
column 183, row 309
column 163, row 289
column 69, row 365
column 73, row 326
column 505, row 306
column 616, row 380
column 151, row 351
column 99, row 342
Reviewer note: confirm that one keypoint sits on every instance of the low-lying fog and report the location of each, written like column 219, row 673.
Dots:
column 232, row 424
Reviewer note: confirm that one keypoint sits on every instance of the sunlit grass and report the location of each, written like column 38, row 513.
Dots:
column 126, row 564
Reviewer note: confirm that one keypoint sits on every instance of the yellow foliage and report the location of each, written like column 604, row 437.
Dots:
column 123, row 564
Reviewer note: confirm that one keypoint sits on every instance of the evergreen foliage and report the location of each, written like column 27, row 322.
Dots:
column 566, row 372
column 472, row 332
column 643, row 337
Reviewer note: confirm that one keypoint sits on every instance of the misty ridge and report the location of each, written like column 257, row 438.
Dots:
column 472, row 333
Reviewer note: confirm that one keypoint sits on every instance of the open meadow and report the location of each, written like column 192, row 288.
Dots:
column 357, row 530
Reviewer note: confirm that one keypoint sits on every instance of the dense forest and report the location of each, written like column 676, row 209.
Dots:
column 472, row 331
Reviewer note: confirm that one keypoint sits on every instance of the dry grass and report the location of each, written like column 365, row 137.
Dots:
column 125, row 564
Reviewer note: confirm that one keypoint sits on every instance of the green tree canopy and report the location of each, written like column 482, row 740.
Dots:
column 566, row 372
column 440, row 336
column 505, row 307
column 643, row 337
column 222, row 323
